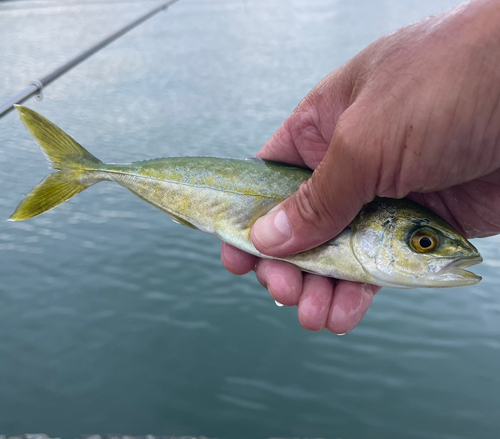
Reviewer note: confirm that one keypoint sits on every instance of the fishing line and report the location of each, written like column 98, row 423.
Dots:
column 37, row 86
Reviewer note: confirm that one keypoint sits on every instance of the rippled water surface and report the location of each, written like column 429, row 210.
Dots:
column 113, row 319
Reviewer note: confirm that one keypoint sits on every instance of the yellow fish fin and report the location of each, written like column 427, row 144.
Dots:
column 70, row 159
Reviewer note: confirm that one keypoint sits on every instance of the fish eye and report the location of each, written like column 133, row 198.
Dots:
column 424, row 241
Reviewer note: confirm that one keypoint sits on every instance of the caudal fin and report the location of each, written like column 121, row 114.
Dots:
column 69, row 159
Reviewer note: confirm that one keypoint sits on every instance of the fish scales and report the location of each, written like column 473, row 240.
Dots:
column 219, row 196
column 395, row 243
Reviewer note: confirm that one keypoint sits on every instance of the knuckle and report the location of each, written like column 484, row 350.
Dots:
column 302, row 118
column 373, row 159
column 312, row 208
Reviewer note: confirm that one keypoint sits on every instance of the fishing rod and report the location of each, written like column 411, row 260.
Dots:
column 36, row 87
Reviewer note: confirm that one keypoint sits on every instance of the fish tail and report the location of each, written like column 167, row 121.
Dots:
column 70, row 160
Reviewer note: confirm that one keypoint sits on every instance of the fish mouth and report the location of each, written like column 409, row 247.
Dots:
column 460, row 276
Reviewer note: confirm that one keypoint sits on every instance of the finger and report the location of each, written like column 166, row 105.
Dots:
column 473, row 208
column 326, row 203
column 304, row 137
column 314, row 304
column 236, row 261
column 283, row 280
column 350, row 302
column 298, row 141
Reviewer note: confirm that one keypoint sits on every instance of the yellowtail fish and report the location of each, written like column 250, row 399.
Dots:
column 395, row 243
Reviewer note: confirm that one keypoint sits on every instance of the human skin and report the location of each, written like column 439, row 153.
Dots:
column 416, row 114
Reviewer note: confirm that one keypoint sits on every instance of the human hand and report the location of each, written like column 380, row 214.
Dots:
column 417, row 114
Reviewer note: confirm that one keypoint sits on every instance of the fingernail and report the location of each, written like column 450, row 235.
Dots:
column 340, row 335
column 273, row 229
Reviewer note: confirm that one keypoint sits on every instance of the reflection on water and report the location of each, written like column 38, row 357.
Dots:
column 113, row 319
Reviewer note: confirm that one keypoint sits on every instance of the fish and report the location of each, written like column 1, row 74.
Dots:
column 391, row 243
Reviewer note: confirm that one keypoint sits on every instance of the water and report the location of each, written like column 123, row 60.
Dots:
column 113, row 319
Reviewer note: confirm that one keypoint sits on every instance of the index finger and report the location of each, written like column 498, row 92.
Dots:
column 304, row 137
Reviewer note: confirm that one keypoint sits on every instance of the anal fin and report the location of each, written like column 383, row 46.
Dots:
column 178, row 220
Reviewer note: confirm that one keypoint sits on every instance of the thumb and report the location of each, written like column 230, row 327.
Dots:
column 325, row 204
